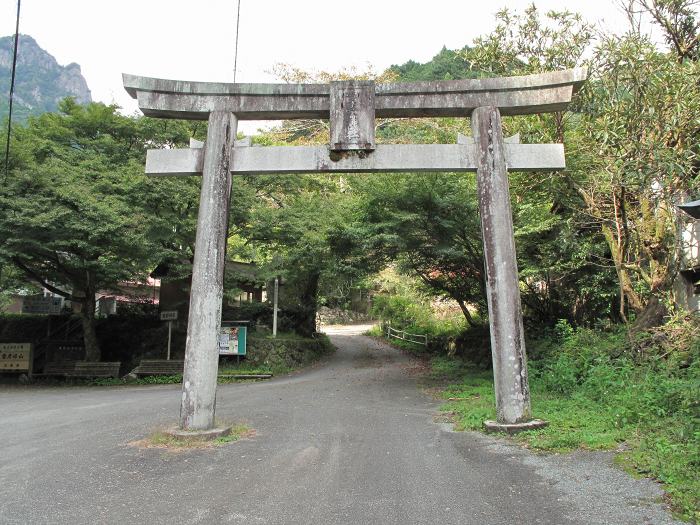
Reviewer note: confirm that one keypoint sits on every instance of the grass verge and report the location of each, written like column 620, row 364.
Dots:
column 654, row 444
column 161, row 439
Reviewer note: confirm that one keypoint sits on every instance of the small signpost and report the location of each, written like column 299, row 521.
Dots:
column 170, row 316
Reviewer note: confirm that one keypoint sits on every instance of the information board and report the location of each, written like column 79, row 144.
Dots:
column 232, row 340
column 15, row 357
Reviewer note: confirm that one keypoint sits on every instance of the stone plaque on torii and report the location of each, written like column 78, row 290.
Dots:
column 351, row 107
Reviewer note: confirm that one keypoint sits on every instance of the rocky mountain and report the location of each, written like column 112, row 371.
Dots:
column 40, row 81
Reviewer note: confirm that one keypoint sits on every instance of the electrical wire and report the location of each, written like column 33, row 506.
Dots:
column 12, row 93
column 235, row 56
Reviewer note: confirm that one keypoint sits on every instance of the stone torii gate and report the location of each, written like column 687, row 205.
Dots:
column 352, row 107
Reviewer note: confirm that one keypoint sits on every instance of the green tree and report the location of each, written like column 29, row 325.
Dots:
column 640, row 133
column 631, row 139
column 78, row 215
column 448, row 64
column 429, row 224
column 678, row 19
column 293, row 225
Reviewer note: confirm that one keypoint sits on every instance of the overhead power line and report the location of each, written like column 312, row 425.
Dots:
column 235, row 56
column 12, row 93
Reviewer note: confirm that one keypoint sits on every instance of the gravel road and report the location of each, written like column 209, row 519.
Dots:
column 352, row 440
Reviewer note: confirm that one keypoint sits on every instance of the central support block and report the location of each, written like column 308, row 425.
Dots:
column 352, row 115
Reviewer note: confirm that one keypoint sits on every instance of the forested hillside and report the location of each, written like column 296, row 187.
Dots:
column 448, row 64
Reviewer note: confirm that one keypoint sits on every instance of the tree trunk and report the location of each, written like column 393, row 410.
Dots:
column 87, row 315
column 467, row 314
column 309, row 296
column 651, row 316
column 627, row 292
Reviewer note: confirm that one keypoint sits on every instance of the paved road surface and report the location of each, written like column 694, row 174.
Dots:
column 352, row 440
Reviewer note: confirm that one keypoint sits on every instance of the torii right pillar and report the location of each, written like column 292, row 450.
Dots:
column 502, row 285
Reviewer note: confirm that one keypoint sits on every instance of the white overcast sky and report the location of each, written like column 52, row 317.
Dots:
column 195, row 40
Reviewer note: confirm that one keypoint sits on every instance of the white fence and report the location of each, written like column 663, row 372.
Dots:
column 405, row 336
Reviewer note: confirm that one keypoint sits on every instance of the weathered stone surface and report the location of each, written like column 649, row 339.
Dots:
column 576, row 77
column 455, row 98
column 352, row 115
column 386, row 158
column 199, row 435
column 465, row 139
column 326, row 316
column 201, row 352
column 502, row 284
column 175, row 162
column 514, row 428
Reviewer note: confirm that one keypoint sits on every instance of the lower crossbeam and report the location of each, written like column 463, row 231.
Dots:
column 247, row 160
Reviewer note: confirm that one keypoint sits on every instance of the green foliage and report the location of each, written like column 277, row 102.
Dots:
column 295, row 227
column 447, row 368
column 77, row 201
column 429, row 224
column 159, row 380
column 246, row 367
column 640, row 118
column 12, row 283
column 528, row 42
column 77, row 214
column 446, row 65
column 406, row 304
column 571, row 355
column 286, row 352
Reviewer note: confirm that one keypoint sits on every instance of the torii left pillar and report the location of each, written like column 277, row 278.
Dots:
column 198, row 407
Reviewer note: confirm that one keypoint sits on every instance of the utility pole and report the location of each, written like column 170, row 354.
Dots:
column 170, row 336
column 274, row 307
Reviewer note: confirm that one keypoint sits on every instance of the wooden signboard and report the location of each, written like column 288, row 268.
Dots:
column 15, row 357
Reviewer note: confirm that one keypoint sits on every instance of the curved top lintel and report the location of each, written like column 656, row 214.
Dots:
column 541, row 92
column 574, row 77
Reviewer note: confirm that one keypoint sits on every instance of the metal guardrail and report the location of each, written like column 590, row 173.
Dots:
column 418, row 339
